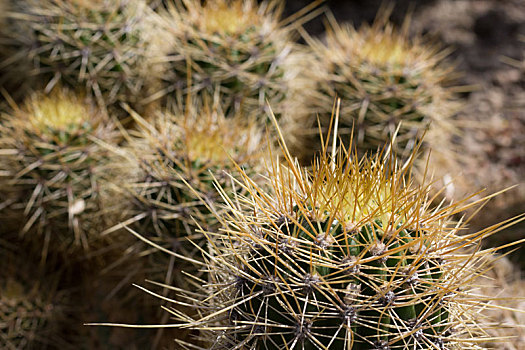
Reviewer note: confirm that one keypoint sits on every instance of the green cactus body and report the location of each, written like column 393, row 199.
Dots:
column 100, row 45
column 330, row 292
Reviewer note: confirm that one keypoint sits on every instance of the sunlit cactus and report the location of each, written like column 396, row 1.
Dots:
column 170, row 165
column 348, row 255
column 52, row 165
column 239, row 49
column 100, row 45
column 387, row 80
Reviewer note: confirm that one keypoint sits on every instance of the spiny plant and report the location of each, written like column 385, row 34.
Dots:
column 29, row 307
column 237, row 48
column 52, row 168
column 100, row 45
column 347, row 255
column 171, row 164
column 387, row 81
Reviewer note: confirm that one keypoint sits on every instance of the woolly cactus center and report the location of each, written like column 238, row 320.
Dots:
column 383, row 50
column 206, row 146
column 227, row 18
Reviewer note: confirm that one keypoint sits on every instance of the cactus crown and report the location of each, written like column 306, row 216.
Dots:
column 60, row 114
column 54, row 165
column 100, row 45
column 226, row 17
column 348, row 255
column 386, row 48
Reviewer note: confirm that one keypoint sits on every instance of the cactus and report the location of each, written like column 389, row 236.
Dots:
column 348, row 255
column 30, row 308
column 100, row 45
column 167, row 172
column 52, row 167
column 386, row 80
column 237, row 48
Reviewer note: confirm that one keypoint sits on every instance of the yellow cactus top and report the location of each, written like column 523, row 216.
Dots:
column 228, row 17
column 214, row 138
column 351, row 192
column 206, row 137
column 59, row 112
column 382, row 46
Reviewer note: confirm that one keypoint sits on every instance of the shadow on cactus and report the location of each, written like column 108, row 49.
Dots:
column 238, row 49
column 348, row 255
column 101, row 45
column 52, row 168
column 386, row 80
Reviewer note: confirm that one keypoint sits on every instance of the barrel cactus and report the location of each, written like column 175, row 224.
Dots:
column 348, row 255
column 3, row 9
column 389, row 84
column 238, row 49
column 52, row 165
column 100, row 45
column 170, row 166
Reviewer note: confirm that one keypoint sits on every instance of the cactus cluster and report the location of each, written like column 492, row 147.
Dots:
column 52, row 166
column 348, row 255
column 238, row 49
column 260, row 252
column 99, row 45
column 389, row 83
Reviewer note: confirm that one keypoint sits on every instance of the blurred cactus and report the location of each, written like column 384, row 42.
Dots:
column 30, row 308
column 348, row 255
column 101, row 45
column 238, row 49
column 386, row 80
column 171, row 166
column 52, row 167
